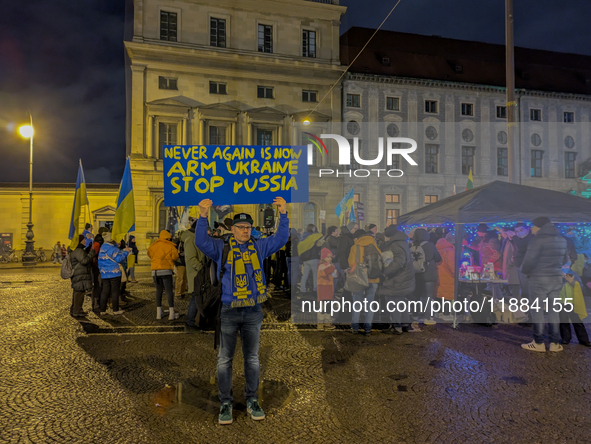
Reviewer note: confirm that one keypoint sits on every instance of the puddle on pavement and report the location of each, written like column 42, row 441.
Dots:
column 203, row 394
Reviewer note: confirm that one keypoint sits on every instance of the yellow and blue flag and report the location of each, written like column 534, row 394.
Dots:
column 345, row 205
column 125, row 214
column 80, row 200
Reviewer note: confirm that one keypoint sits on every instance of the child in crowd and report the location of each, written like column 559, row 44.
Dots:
column 325, row 286
column 572, row 293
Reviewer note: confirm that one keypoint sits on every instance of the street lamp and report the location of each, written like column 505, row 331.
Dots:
column 29, row 256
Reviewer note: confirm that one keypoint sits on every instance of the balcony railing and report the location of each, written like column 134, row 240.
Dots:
column 328, row 2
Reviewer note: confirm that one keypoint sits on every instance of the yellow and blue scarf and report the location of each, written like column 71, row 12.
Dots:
column 241, row 292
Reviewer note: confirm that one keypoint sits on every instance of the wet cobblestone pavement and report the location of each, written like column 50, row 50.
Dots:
column 120, row 380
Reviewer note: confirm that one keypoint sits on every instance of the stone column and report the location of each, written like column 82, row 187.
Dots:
column 550, row 146
column 138, row 100
column 484, row 146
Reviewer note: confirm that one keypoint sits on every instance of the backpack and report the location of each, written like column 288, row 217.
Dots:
column 418, row 257
column 208, row 294
column 373, row 260
column 66, row 271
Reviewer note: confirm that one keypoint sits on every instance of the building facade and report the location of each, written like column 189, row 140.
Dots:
column 229, row 72
column 458, row 120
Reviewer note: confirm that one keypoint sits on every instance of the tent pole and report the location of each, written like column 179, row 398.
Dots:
column 458, row 258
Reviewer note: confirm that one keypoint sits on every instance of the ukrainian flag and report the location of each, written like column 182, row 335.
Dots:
column 125, row 214
column 80, row 200
column 344, row 206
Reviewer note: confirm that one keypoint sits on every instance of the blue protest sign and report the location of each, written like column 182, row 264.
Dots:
column 234, row 174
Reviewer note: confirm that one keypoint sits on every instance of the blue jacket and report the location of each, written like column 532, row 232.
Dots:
column 213, row 248
column 109, row 259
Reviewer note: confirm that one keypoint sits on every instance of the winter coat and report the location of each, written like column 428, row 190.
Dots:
column 432, row 256
column 446, row 269
column 332, row 243
column 345, row 242
column 163, row 253
column 293, row 243
column 571, row 249
column 325, row 282
column 520, row 248
column 194, row 258
column 546, row 253
column 308, row 248
column 399, row 275
column 96, row 246
column 490, row 251
column 510, row 271
column 109, row 259
column 362, row 242
column 573, row 294
column 81, row 261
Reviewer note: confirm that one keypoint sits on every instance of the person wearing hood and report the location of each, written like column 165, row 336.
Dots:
column 366, row 244
column 425, row 281
column 309, row 252
column 194, row 260
column 542, row 264
column 446, row 270
column 96, row 273
column 162, row 254
column 81, row 260
column 572, row 293
column 109, row 259
column 399, row 277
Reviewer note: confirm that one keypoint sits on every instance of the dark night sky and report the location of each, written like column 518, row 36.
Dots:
column 64, row 60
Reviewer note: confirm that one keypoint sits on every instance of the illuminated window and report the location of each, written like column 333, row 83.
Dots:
column 392, row 198
column 168, row 24
column 392, row 217
column 431, row 198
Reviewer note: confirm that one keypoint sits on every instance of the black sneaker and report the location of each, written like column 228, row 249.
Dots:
column 192, row 329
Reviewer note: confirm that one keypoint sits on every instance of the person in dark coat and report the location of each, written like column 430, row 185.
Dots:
column 97, row 285
column 520, row 241
column 542, row 264
column 345, row 242
column 399, row 277
column 81, row 260
column 293, row 259
column 425, row 282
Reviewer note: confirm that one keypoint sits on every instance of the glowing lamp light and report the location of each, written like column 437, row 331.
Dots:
column 306, row 122
column 26, row 131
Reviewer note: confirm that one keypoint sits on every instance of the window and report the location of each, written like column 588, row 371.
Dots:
column 217, row 88
column 392, row 216
column 308, row 43
column 309, row 96
column 353, row 127
column 536, row 139
column 502, row 162
column 535, row 115
column 430, row 198
column 569, row 117
column 395, row 158
column 264, row 137
column 569, row 142
column 162, row 213
column 217, row 135
column 392, row 130
column 264, row 92
column 501, row 112
column 167, row 83
column 309, row 214
column 354, row 165
column 467, row 159
column 393, row 103
column 569, row 165
column 353, row 100
column 502, row 137
column 392, row 198
column 467, row 109
column 431, row 133
column 265, row 38
column 431, row 152
column 431, row 106
column 356, row 197
column 166, row 135
column 217, row 32
column 536, row 163
column 168, row 26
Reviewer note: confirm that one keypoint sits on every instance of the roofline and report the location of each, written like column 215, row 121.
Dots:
column 105, row 186
column 379, row 78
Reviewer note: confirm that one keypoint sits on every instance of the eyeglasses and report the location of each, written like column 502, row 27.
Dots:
column 243, row 227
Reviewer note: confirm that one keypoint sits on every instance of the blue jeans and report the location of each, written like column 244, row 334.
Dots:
column 540, row 288
column 311, row 265
column 247, row 321
column 191, row 312
column 397, row 318
column 367, row 294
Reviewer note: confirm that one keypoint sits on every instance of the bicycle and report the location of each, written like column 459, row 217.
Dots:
column 40, row 255
column 8, row 256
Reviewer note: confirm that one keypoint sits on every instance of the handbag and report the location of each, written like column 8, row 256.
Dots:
column 357, row 279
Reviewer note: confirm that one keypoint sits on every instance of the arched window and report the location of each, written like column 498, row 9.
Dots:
column 309, row 214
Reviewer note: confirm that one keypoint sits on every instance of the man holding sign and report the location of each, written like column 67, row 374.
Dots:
column 243, row 290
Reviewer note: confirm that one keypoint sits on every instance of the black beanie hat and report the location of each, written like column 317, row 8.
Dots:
column 540, row 221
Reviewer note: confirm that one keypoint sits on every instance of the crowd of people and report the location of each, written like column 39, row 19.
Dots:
column 534, row 260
